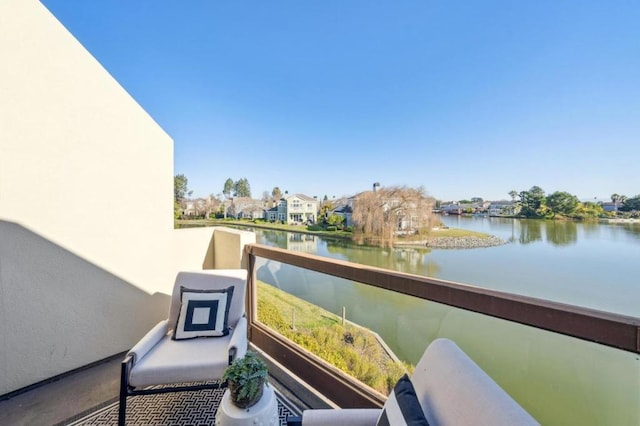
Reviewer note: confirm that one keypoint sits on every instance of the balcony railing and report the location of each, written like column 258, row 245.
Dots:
column 505, row 331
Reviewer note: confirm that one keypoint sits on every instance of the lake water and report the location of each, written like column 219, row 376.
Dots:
column 559, row 380
column 587, row 264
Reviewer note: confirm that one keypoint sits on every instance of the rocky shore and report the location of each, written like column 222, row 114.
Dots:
column 456, row 242
column 628, row 220
column 464, row 242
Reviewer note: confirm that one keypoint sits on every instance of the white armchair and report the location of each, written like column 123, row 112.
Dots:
column 205, row 331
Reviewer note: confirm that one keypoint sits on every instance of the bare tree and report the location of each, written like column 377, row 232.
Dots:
column 276, row 193
column 381, row 215
column 211, row 204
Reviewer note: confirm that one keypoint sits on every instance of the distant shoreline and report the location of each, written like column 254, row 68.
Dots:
column 463, row 239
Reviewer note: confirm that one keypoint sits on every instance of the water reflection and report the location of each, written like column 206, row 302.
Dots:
column 527, row 231
column 632, row 228
column 530, row 231
column 272, row 238
column 303, row 243
column 410, row 260
column 561, row 233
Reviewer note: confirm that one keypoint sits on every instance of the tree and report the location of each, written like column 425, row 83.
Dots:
column 631, row 204
column 379, row 215
column 210, row 205
column 231, row 211
column 177, row 210
column 276, row 193
column 514, row 195
column 228, row 187
column 265, row 197
column 477, row 200
column 562, row 203
column 180, row 194
column 325, row 208
column 533, row 202
column 618, row 199
column 180, row 188
column 588, row 211
column 335, row 220
column 242, row 188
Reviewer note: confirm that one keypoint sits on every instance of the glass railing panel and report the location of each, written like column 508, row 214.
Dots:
column 558, row 379
column 307, row 307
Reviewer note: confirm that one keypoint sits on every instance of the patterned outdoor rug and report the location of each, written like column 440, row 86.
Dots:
column 179, row 408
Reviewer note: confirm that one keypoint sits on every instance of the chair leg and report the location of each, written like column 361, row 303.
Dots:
column 122, row 409
column 124, row 390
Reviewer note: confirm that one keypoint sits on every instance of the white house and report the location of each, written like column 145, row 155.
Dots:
column 294, row 209
column 503, row 208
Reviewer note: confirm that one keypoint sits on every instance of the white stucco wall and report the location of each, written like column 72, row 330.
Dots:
column 81, row 161
column 88, row 252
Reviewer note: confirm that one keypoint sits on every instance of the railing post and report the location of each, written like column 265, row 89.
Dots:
column 293, row 319
column 252, row 297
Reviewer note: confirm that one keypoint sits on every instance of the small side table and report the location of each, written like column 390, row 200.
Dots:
column 264, row 412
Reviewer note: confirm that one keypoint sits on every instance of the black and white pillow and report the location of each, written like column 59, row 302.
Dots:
column 203, row 313
column 402, row 406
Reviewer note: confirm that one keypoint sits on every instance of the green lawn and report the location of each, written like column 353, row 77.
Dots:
column 455, row 232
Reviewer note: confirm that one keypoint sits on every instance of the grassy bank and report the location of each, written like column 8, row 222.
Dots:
column 457, row 233
column 352, row 349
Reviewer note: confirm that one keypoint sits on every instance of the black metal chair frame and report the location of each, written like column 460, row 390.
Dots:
column 127, row 390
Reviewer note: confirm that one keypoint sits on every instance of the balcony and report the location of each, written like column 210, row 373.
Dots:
column 83, row 278
column 563, row 364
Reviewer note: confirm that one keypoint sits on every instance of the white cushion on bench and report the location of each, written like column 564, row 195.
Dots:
column 453, row 390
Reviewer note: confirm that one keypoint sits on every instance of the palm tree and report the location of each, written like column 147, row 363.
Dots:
column 618, row 199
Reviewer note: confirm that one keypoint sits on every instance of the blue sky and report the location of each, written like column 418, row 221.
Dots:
column 466, row 98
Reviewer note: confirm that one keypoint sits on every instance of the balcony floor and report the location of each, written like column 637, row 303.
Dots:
column 90, row 397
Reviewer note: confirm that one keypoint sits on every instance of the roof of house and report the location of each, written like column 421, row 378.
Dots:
column 302, row 197
column 343, row 209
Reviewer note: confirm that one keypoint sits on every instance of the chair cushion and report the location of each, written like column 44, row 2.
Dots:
column 402, row 406
column 181, row 361
column 454, row 390
column 203, row 313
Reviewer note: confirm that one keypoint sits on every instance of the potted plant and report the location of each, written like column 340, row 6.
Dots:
column 246, row 378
